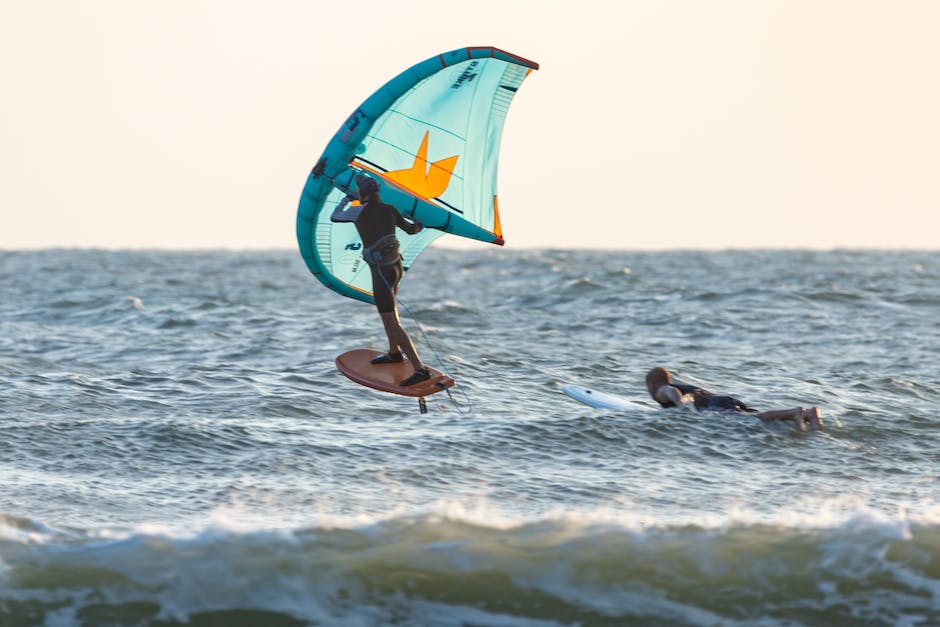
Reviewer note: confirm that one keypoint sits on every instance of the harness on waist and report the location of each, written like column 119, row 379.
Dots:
column 383, row 252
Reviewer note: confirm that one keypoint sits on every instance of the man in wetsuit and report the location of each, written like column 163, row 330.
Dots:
column 376, row 225
column 668, row 393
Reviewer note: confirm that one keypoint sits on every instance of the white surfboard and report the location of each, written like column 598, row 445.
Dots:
column 600, row 400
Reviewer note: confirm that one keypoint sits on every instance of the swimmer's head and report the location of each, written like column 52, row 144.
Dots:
column 656, row 378
column 368, row 187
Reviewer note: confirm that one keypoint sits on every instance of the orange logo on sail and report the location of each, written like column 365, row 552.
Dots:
column 424, row 179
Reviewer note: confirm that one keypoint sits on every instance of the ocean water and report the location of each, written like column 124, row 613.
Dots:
column 176, row 446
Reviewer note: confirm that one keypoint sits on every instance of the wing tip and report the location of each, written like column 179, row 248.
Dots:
column 494, row 51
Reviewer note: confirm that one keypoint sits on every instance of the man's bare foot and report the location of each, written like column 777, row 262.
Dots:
column 799, row 422
column 813, row 419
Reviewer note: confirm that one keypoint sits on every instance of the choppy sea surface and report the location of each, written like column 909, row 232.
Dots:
column 176, row 446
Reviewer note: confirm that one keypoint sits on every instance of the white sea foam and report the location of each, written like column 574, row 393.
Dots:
column 601, row 562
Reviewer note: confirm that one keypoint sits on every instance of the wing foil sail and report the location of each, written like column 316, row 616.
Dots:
column 430, row 137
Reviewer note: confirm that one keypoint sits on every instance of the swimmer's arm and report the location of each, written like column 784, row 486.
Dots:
column 410, row 228
column 343, row 214
column 669, row 393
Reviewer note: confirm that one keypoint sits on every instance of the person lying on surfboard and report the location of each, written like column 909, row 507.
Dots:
column 376, row 225
column 669, row 393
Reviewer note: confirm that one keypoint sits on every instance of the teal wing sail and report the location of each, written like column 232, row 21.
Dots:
column 430, row 137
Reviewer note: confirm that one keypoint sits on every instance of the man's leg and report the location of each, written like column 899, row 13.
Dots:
column 802, row 418
column 384, row 296
column 398, row 338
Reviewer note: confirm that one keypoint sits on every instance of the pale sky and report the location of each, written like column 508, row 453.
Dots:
column 655, row 124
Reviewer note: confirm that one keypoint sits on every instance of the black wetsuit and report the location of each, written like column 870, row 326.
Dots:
column 376, row 222
column 704, row 399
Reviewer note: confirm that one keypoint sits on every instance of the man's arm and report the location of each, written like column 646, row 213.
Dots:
column 671, row 394
column 343, row 213
column 411, row 228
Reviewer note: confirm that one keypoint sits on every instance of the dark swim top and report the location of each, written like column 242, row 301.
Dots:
column 703, row 399
column 377, row 220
